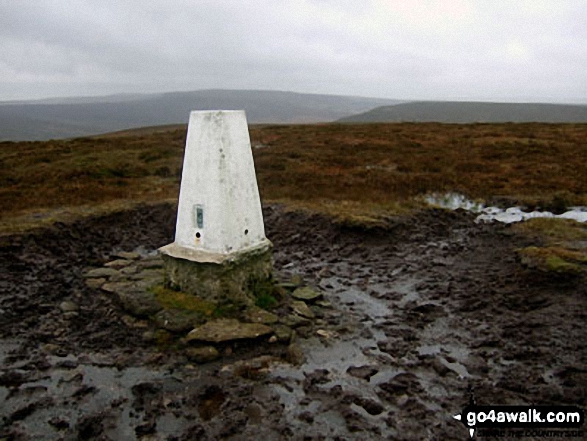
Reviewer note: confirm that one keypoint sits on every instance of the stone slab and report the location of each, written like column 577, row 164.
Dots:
column 254, row 314
column 222, row 330
column 306, row 294
column 302, row 309
column 204, row 354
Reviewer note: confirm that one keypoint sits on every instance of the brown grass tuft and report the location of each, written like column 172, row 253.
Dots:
column 359, row 173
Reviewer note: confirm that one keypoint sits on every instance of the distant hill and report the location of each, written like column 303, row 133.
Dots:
column 471, row 112
column 70, row 117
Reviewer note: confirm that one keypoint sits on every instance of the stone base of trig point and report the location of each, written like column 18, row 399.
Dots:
column 218, row 278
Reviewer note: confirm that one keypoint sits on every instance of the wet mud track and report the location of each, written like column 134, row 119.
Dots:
column 426, row 314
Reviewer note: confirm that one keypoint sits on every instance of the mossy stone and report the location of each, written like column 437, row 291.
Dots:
column 306, row 294
column 228, row 282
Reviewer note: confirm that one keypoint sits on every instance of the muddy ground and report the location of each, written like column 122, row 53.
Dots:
column 428, row 313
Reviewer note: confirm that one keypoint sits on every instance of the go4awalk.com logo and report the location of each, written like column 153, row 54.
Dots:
column 529, row 418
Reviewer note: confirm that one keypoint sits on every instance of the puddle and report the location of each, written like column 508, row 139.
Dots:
column 454, row 201
column 354, row 349
column 367, row 312
column 87, row 390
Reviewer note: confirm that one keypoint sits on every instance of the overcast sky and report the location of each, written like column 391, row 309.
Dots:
column 503, row 50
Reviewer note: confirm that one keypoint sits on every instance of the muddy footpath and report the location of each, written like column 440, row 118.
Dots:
column 427, row 314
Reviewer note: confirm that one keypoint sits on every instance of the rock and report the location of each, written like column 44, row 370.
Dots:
column 306, row 294
column 118, row 264
column 364, row 372
column 288, row 286
column 150, row 263
column 302, row 309
column 402, row 384
column 317, row 376
column 95, row 283
column 282, row 332
column 254, row 413
column 439, row 367
column 178, row 320
column 128, row 255
column 372, row 407
column 116, row 287
column 326, row 334
column 147, row 428
column 73, row 377
column 67, row 364
column 430, row 310
column 146, row 283
column 297, row 280
column 304, row 331
column 221, row 330
column 68, row 306
column 132, row 322
column 253, row 369
column 476, row 365
column 70, row 315
column 306, row 417
column 148, row 336
column 295, row 355
column 295, row 321
column 14, row 378
column 139, row 303
column 131, row 269
column 254, row 314
column 50, row 348
column 59, row 423
column 324, row 304
column 147, row 274
column 204, row 354
column 273, row 339
column 101, row 272
column 118, row 277
column 402, row 400
column 318, row 314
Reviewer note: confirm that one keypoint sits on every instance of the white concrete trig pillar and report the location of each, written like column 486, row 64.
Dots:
column 219, row 217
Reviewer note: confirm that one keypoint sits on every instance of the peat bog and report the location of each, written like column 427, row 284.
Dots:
column 428, row 307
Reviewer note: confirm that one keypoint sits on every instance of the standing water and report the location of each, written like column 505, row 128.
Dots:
column 454, row 201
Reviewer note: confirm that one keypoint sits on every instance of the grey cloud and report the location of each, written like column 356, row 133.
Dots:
column 435, row 50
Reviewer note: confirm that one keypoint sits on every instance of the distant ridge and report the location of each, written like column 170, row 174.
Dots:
column 472, row 112
column 84, row 116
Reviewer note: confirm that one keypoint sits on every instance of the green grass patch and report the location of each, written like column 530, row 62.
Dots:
column 226, row 310
column 552, row 231
column 554, row 259
column 266, row 301
column 561, row 245
column 267, row 292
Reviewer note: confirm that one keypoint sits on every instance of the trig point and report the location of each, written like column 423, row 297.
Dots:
column 220, row 247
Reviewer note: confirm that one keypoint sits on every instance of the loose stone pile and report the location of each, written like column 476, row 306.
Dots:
column 204, row 330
